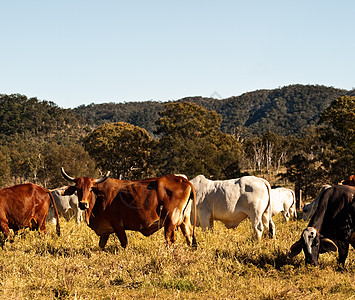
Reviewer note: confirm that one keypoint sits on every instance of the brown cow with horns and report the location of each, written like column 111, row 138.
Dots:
column 25, row 206
column 113, row 206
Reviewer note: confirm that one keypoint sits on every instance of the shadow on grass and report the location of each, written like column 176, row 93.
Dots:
column 276, row 258
column 120, row 282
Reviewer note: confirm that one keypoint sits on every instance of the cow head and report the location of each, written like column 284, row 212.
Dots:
column 84, row 187
column 312, row 243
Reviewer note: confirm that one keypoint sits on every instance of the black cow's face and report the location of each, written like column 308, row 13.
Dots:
column 312, row 243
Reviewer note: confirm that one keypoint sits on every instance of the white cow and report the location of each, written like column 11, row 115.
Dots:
column 231, row 201
column 284, row 200
column 310, row 208
column 68, row 206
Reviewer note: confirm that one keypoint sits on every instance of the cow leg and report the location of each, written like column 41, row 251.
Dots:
column 121, row 234
column 258, row 231
column 186, row 229
column 51, row 217
column 343, row 248
column 268, row 223
column 42, row 226
column 286, row 215
column 78, row 215
column 170, row 235
column 66, row 216
column 205, row 217
column 5, row 229
column 271, row 228
column 103, row 241
column 258, row 227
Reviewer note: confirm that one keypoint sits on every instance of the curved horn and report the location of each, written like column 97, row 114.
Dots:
column 102, row 179
column 66, row 176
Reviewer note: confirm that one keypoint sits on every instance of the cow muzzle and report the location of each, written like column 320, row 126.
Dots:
column 83, row 205
column 311, row 261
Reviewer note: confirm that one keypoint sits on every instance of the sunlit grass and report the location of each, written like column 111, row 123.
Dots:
column 228, row 264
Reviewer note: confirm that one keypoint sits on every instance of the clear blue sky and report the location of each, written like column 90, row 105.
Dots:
column 80, row 52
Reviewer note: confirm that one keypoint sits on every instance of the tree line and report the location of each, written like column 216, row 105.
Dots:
column 37, row 138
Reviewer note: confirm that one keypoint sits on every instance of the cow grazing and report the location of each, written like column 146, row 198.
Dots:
column 113, row 206
column 231, row 201
column 67, row 206
column 310, row 208
column 284, row 200
column 332, row 226
column 25, row 206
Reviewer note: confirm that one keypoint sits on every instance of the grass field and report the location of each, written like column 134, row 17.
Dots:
column 228, row 264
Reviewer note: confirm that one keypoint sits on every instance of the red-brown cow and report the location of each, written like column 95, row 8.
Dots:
column 113, row 206
column 25, row 205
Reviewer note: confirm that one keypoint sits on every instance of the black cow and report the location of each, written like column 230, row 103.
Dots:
column 331, row 227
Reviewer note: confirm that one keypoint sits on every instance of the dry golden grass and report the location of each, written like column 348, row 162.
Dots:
column 228, row 264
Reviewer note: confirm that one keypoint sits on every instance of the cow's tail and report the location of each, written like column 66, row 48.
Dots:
column 194, row 242
column 56, row 212
column 269, row 209
column 294, row 204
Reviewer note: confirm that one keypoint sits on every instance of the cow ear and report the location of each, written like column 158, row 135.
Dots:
column 327, row 245
column 69, row 191
column 296, row 248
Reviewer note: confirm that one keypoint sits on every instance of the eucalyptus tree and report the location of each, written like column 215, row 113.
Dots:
column 121, row 148
column 338, row 132
column 191, row 142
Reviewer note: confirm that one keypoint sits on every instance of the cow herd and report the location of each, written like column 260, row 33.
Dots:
column 172, row 201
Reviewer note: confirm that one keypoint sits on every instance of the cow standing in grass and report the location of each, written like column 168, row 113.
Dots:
column 25, row 206
column 113, row 206
column 284, row 200
column 232, row 201
column 309, row 209
column 332, row 226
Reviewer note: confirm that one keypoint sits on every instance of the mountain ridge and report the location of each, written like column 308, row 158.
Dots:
column 286, row 110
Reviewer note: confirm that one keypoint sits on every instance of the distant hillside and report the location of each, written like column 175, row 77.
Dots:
column 285, row 110
column 23, row 118
column 142, row 114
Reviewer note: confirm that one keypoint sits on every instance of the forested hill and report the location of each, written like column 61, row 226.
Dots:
column 284, row 110
column 23, row 118
column 142, row 114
